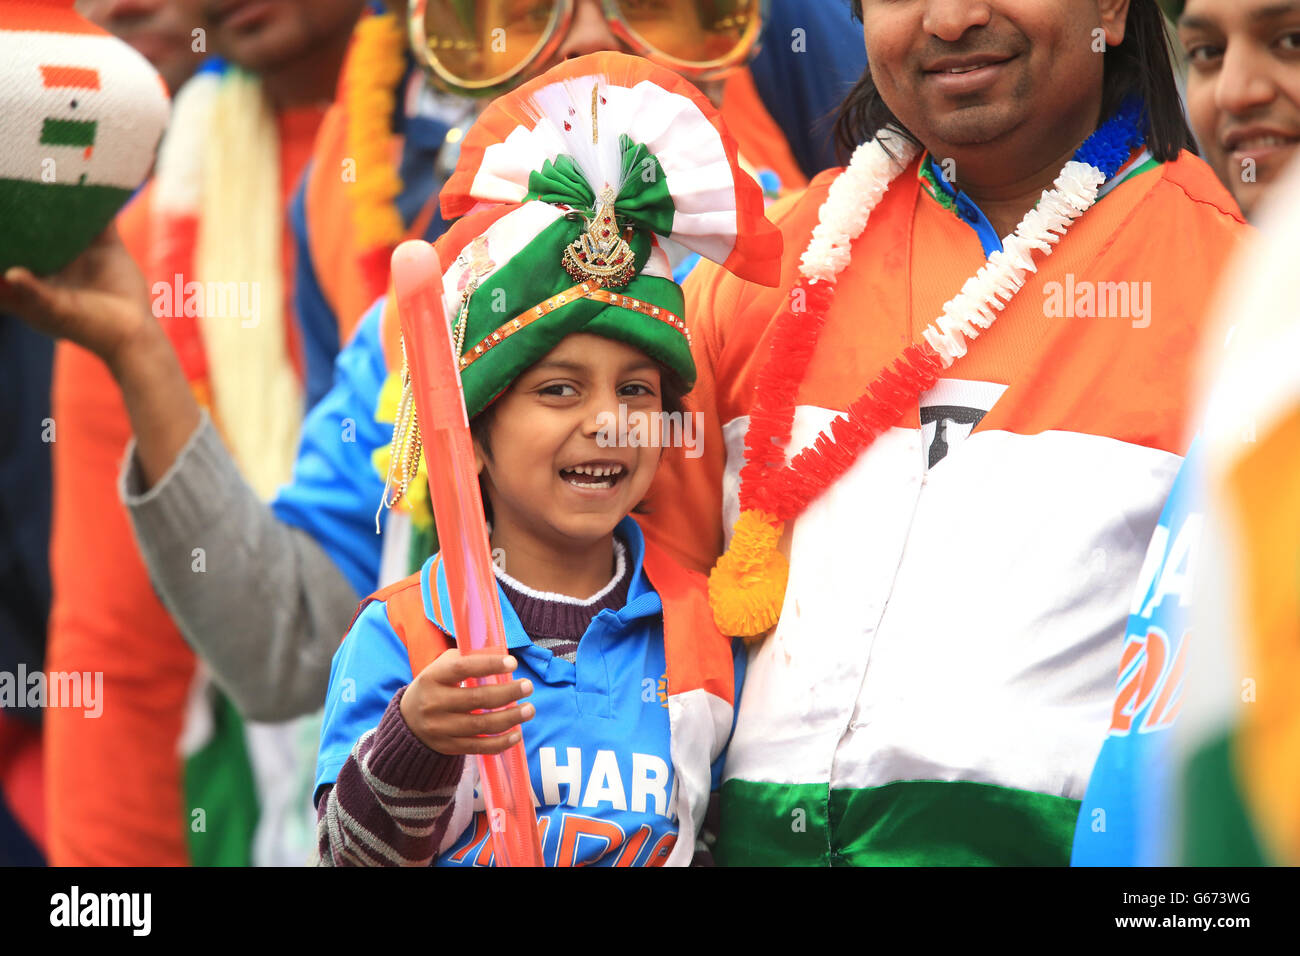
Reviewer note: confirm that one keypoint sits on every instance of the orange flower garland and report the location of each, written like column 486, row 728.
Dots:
column 375, row 67
column 747, row 585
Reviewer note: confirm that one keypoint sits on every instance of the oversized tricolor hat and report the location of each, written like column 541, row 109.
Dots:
column 577, row 176
column 81, row 114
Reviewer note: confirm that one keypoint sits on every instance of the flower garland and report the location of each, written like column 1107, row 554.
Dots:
column 374, row 69
column 747, row 586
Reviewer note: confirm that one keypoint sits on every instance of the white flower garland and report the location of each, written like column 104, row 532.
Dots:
column 856, row 193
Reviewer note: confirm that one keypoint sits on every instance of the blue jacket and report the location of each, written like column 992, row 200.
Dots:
column 1124, row 818
column 627, row 742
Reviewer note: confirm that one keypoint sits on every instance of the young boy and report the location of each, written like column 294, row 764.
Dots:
column 570, row 330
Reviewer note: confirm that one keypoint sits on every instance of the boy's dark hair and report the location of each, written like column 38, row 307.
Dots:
column 1142, row 64
column 672, row 392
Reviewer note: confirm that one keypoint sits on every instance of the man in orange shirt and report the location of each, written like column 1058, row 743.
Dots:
column 114, row 784
column 935, row 564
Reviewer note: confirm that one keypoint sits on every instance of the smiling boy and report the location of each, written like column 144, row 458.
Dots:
column 548, row 477
column 631, row 685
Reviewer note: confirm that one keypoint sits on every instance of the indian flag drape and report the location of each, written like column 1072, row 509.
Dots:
column 1239, row 730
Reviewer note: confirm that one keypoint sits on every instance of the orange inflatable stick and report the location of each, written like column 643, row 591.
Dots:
column 462, row 531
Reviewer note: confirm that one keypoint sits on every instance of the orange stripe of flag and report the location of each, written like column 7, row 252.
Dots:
column 44, row 18
column 77, row 76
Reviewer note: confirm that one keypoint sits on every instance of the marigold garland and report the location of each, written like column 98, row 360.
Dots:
column 879, row 409
column 772, row 417
column 747, row 585
column 750, row 578
column 375, row 67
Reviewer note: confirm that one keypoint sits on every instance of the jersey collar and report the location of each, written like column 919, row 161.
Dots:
column 643, row 600
column 935, row 184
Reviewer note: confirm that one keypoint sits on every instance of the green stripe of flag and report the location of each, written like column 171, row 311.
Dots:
column 219, row 780
column 767, row 824
column 65, row 132
column 59, row 220
column 1217, row 829
column 952, row 823
column 907, row 823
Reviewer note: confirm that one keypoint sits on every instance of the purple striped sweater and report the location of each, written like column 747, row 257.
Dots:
column 390, row 804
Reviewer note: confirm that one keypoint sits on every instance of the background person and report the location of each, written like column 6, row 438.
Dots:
column 81, row 114
column 170, row 34
column 121, row 788
column 1243, row 90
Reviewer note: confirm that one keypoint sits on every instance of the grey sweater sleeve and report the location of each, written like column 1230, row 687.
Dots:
column 261, row 602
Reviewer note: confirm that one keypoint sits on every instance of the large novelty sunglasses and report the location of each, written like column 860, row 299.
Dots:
column 482, row 47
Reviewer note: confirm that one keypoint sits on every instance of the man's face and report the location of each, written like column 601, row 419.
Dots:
column 590, row 33
column 261, row 34
column 160, row 30
column 965, row 73
column 1243, row 89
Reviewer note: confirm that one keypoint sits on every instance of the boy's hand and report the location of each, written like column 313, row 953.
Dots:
column 439, row 710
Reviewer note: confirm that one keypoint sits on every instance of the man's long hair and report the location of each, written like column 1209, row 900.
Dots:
column 1142, row 64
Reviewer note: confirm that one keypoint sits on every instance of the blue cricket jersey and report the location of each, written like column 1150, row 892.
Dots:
column 1123, row 819
column 598, row 748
